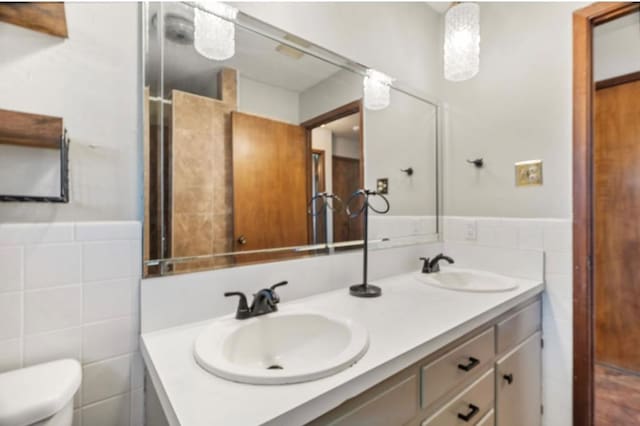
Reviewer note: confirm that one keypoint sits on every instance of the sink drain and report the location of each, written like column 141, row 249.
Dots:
column 275, row 367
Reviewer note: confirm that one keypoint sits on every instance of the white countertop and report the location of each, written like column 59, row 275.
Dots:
column 410, row 321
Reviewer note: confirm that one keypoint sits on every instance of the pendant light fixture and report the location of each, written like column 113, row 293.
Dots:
column 215, row 32
column 377, row 90
column 462, row 41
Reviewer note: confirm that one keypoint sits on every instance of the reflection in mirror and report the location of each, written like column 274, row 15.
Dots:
column 238, row 150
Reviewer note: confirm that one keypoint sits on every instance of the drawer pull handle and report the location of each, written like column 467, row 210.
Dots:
column 473, row 363
column 473, row 410
column 508, row 378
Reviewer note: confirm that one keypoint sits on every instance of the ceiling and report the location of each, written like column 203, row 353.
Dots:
column 255, row 58
column 439, row 6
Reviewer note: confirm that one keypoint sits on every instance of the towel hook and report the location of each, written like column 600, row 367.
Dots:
column 478, row 162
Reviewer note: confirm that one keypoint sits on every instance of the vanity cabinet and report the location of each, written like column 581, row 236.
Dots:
column 491, row 376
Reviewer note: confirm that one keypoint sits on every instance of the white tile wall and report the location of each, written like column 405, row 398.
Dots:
column 71, row 290
column 201, row 294
column 554, row 237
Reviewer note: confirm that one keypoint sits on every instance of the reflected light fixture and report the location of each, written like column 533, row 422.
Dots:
column 377, row 90
column 215, row 32
column 462, row 41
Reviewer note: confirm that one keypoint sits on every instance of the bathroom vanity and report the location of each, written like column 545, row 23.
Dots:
column 490, row 376
column 435, row 357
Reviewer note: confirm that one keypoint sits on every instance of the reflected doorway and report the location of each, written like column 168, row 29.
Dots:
column 337, row 158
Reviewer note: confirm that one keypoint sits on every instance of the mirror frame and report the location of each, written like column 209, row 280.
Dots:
column 264, row 29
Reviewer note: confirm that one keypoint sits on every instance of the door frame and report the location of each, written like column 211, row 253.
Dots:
column 584, row 20
column 335, row 114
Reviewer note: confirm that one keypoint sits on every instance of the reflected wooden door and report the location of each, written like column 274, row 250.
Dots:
column 271, row 185
column 617, row 225
column 345, row 180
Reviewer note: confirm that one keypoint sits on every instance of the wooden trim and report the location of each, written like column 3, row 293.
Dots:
column 48, row 18
column 333, row 115
column 30, row 130
column 616, row 81
column 341, row 157
column 583, row 285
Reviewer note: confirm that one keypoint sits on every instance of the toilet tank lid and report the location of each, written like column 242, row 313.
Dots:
column 31, row 394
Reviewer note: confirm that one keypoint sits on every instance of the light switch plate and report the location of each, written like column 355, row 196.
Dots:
column 529, row 173
column 382, row 186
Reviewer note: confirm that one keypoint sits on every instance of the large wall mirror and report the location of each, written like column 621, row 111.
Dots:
column 246, row 124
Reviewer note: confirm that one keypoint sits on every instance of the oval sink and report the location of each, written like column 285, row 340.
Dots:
column 282, row 347
column 468, row 280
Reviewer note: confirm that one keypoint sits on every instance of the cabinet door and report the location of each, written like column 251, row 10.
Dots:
column 518, row 385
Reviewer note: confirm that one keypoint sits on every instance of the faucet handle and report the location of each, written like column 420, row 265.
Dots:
column 280, row 284
column 243, row 310
column 425, row 267
column 274, row 295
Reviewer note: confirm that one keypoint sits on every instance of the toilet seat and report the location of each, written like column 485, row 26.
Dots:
column 32, row 394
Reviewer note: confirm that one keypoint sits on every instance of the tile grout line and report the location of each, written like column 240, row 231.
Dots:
column 23, row 312
column 82, row 315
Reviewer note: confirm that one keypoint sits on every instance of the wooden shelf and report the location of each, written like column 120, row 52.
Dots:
column 48, row 18
column 30, row 130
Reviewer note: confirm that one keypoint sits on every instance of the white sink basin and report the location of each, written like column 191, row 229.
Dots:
column 468, row 280
column 288, row 346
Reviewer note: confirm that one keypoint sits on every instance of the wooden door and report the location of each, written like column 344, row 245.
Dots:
column 519, row 385
column 617, row 225
column 271, row 185
column 345, row 180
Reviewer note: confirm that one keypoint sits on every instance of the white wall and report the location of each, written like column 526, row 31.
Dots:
column 91, row 80
column 343, row 147
column 400, row 136
column 517, row 108
column 71, row 290
column 268, row 101
column 339, row 89
column 29, row 171
column 616, row 47
column 322, row 138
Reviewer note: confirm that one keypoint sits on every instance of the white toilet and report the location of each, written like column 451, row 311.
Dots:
column 41, row 395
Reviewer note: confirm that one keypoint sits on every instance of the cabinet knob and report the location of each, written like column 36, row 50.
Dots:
column 508, row 378
column 242, row 240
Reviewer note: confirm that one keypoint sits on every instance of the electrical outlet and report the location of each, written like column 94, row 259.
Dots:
column 470, row 230
column 529, row 173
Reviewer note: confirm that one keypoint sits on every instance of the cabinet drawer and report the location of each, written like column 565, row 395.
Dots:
column 518, row 327
column 488, row 420
column 450, row 370
column 394, row 406
column 474, row 402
